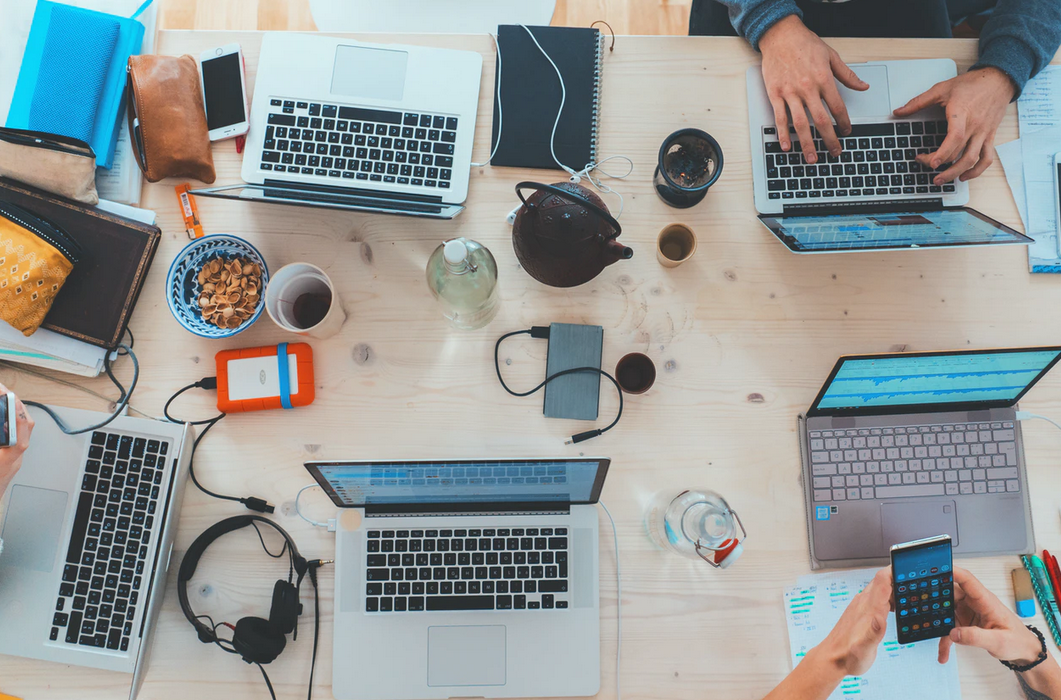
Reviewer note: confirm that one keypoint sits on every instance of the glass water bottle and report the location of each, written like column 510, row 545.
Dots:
column 698, row 524
column 462, row 276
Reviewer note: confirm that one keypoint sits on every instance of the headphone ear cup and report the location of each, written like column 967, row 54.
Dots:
column 258, row 641
column 285, row 608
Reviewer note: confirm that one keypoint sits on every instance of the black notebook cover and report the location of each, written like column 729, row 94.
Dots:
column 530, row 96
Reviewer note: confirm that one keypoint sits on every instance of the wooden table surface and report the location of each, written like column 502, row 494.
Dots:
column 742, row 336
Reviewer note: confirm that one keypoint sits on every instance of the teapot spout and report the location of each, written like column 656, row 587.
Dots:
column 614, row 251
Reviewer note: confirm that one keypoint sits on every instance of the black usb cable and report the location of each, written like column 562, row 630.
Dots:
column 254, row 503
column 542, row 332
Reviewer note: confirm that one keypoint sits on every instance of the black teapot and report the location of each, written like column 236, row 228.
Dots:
column 564, row 235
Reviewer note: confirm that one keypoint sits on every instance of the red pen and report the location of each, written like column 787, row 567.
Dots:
column 1052, row 570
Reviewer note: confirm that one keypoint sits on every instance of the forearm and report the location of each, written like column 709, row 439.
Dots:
column 751, row 18
column 1042, row 682
column 1020, row 38
column 814, row 678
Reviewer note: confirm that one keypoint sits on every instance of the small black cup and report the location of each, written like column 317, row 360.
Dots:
column 635, row 373
column 690, row 161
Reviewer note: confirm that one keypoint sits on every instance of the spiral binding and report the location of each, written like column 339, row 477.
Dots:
column 1044, row 603
column 595, row 129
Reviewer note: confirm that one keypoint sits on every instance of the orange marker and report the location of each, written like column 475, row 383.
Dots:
column 192, row 224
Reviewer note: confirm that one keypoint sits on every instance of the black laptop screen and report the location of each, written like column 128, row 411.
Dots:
column 959, row 378
column 891, row 230
column 354, row 484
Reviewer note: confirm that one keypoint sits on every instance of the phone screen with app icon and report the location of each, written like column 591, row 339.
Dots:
column 923, row 582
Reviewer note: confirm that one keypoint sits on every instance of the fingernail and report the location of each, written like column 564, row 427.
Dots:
column 835, row 152
column 956, row 634
column 812, row 158
column 785, row 145
column 936, row 162
column 847, row 131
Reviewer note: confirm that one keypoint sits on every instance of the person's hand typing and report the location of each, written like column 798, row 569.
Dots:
column 799, row 70
column 852, row 643
column 11, row 457
column 985, row 621
column 975, row 103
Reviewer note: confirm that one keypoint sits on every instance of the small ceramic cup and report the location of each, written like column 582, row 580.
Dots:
column 676, row 244
column 302, row 291
column 635, row 373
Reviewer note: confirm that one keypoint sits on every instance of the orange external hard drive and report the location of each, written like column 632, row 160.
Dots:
column 257, row 379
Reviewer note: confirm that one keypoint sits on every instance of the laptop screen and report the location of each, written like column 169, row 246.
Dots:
column 938, row 380
column 356, row 484
column 830, row 233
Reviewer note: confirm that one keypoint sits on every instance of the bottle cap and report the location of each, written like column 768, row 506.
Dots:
column 455, row 251
column 729, row 554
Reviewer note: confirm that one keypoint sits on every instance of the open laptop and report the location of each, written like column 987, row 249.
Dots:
column 88, row 534
column 466, row 578
column 874, row 195
column 897, row 447
column 369, row 127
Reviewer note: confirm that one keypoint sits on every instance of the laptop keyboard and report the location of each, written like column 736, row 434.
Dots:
column 354, row 143
column 108, row 548
column 474, row 569
column 877, row 160
column 957, row 459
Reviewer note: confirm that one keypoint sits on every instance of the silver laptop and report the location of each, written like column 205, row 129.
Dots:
column 349, row 125
column 874, row 195
column 88, row 533
column 898, row 447
column 466, row 578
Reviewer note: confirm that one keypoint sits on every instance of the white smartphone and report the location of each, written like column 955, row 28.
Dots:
column 8, row 420
column 224, row 91
column 1057, row 195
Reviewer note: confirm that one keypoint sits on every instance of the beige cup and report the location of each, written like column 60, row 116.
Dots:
column 676, row 244
column 291, row 282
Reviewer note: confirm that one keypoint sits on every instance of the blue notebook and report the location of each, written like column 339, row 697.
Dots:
column 72, row 80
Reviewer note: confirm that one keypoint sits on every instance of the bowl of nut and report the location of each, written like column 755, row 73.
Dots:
column 216, row 286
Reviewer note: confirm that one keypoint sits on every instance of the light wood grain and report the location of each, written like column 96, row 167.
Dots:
column 742, row 336
column 624, row 16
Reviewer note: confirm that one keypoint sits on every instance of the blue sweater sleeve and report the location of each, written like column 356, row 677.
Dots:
column 751, row 18
column 1020, row 38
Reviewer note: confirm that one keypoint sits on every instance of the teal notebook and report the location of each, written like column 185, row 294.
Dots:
column 72, row 79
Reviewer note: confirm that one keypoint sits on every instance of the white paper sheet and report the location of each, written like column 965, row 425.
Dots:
column 1011, row 155
column 1039, row 114
column 911, row 672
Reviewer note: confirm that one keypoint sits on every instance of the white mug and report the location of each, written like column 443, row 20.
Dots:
column 288, row 284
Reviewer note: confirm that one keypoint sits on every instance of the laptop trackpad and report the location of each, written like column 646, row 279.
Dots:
column 377, row 74
column 903, row 522
column 875, row 102
column 32, row 527
column 466, row 655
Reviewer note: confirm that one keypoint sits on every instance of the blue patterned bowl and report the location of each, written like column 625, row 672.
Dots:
column 182, row 283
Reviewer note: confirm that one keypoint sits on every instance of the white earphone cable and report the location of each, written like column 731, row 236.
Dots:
column 576, row 176
column 618, row 605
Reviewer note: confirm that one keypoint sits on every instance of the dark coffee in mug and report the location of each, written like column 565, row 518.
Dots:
column 310, row 308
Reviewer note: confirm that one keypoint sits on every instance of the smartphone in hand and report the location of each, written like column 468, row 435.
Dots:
column 8, row 420
column 923, row 583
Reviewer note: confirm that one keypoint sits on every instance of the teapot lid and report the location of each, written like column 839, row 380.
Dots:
column 572, row 197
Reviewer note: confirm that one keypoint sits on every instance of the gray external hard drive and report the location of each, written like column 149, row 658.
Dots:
column 575, row 395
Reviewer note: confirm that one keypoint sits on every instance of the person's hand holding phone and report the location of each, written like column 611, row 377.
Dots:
column 852, row 643
column 985, row 621
column 11, row 456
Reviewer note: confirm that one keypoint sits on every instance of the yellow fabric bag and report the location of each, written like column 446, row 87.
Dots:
column 36, row 257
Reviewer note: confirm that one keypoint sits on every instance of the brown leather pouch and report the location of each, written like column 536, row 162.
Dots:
column 167, row 120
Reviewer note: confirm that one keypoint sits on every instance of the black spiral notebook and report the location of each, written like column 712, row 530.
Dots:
column 529, row 95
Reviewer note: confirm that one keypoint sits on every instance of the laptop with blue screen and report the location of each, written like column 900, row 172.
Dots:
column 465, row 578
column 898, row 447
column 834, row 230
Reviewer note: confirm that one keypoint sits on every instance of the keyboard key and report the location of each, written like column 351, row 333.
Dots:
column 465, row 602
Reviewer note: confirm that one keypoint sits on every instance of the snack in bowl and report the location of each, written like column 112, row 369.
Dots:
column 229, row 290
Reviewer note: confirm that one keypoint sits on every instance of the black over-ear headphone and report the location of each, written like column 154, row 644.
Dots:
column 255, row 639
